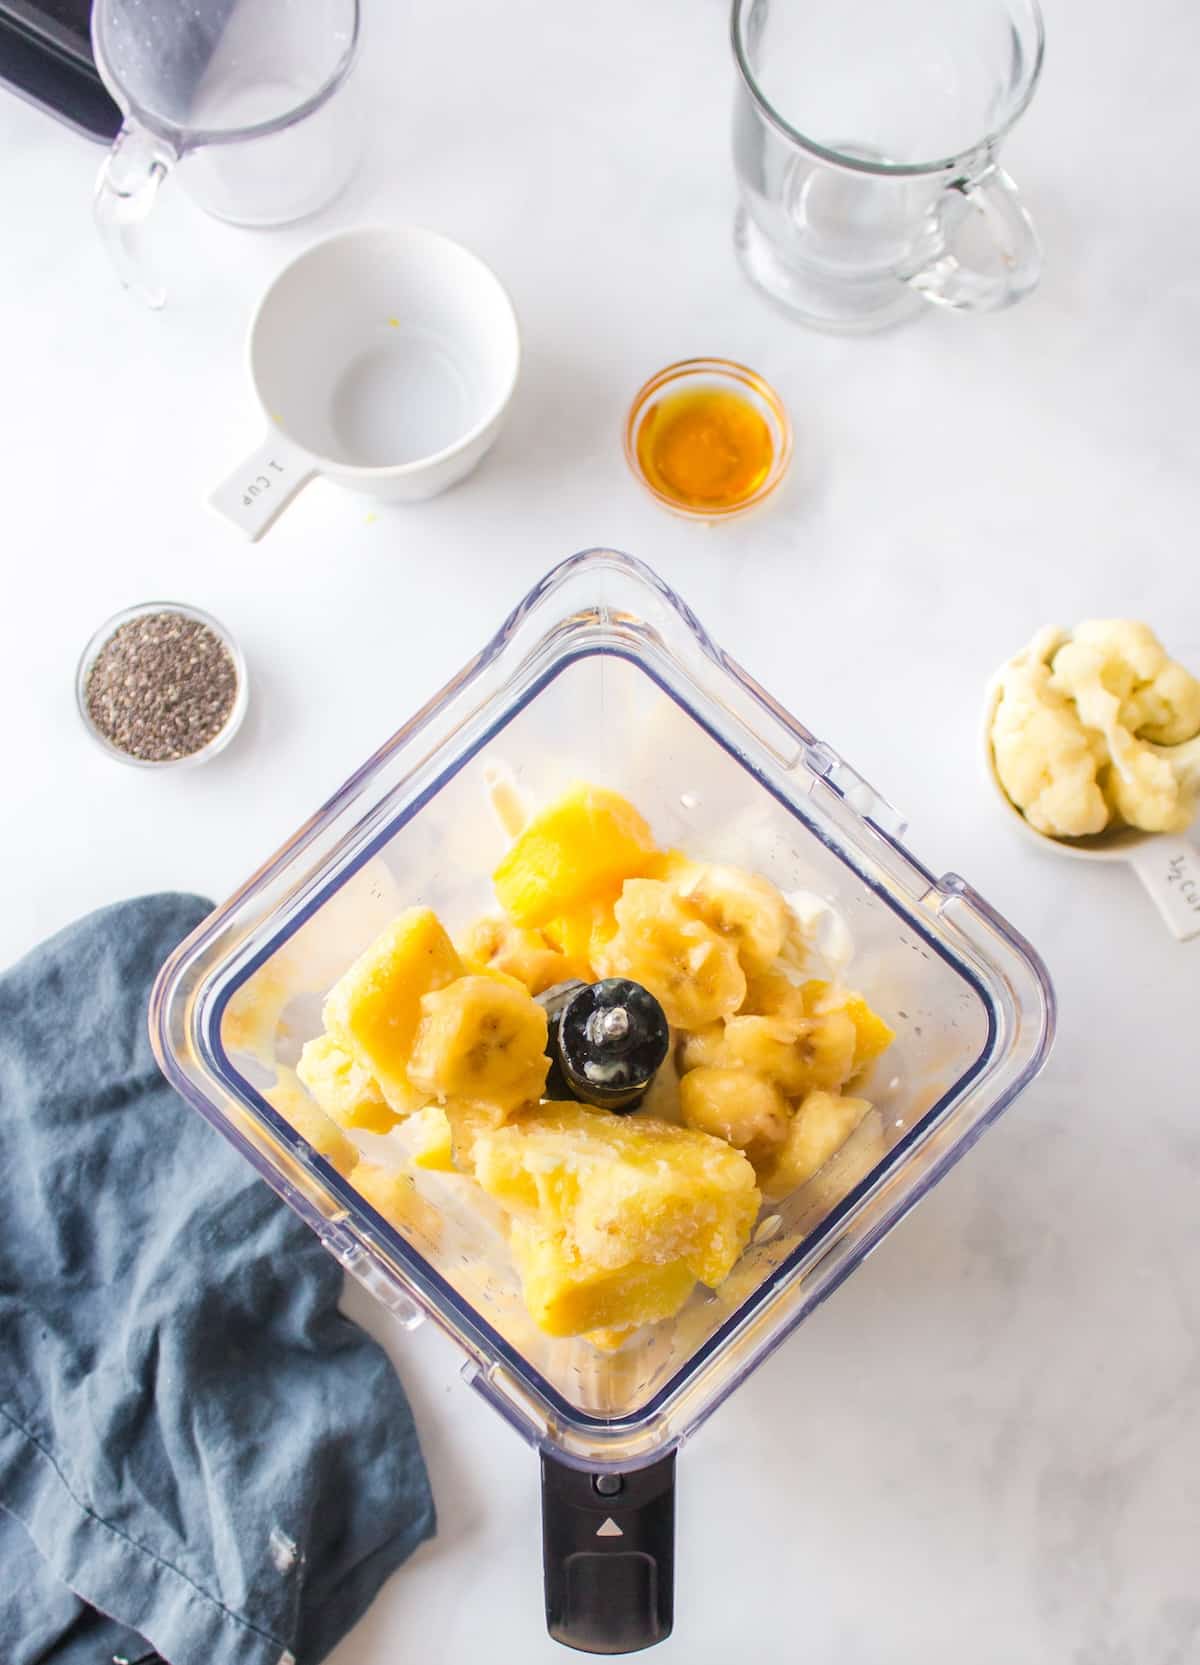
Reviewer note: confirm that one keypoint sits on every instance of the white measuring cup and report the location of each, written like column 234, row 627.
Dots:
column 1167, row 864
column 384, row 359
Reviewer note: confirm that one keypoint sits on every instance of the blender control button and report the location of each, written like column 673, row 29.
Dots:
column 608, row 1485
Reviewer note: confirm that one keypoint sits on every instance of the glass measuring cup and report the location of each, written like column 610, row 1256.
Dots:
column 865, row 143
column 243, row 94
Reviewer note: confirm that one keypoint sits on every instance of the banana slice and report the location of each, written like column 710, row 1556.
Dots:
column 774, row 995
column 482, row 1039
column 494, row 944
column 744, row 1109
column 693, row 973
column 819, row 1127
column 741, row 906
column 764, row 1045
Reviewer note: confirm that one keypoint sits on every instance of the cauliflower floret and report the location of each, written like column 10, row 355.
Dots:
column 1075, row 730
column 1145, row 791
column 1046, row 760
column 1158, row 699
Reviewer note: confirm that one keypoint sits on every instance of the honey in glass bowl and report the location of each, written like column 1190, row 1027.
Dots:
column 708, row 437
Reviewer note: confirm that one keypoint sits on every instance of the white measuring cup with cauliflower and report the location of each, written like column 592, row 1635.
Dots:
column 1092, row 740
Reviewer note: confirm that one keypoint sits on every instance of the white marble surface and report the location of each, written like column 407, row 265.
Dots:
column 985, row 1446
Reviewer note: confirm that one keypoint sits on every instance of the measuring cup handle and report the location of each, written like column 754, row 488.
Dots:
column 126, row 191
column 1170, row 870
column 945, row 277
column 260, row 488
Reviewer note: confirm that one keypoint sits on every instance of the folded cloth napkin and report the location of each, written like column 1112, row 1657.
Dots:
column 196, row 1448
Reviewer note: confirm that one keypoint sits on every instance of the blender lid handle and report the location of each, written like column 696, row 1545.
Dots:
column 608, row 1548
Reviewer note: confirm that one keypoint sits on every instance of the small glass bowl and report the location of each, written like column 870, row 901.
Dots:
column 105, row 633
column 699, row 375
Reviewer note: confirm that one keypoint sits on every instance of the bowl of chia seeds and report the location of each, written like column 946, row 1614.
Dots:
column 161, row 685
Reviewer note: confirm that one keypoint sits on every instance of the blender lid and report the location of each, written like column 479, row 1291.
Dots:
column 603, row 673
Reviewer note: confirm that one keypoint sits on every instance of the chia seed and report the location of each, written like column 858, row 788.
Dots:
column 162, row 687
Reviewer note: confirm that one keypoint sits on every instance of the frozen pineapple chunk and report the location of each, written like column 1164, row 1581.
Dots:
column 373, row 1010
column 820, row 1126
column 577, row 850
column 693, row 973
column 738, row 1106
column 435, row 1142
column 311, row 1123
column 467, row 1122
column 872, row 1035
column 493, row 944
column 568, row 1295
column 343, row 1088
column 481, row 1038
column 622, row 1190
column 581, row 934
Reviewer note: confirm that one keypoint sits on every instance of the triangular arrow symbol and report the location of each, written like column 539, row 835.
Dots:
column 610, row 1529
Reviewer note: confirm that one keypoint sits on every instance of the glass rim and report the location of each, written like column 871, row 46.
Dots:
column 135, row 114
column 102, row 636
column 729, row 370
column 859, row 164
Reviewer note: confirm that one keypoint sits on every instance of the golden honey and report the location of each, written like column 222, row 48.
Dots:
column 706, row 448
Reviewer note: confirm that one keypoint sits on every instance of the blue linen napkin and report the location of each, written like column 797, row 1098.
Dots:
column 196, row 1448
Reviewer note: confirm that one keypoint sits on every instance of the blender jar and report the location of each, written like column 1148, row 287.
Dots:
column 602, row 673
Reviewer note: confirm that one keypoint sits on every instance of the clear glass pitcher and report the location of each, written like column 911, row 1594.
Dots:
column 246, row 95
column 865, row 142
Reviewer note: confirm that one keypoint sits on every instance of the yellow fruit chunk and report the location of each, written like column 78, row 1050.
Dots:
column 771, row 994
column 827, row 1050
column 622, row 1190
column 567, row 1295
column 873, row 1035
column 819, row 1127
column 391, row 1192
column 481, row 1038
column 435, row 1146
column 762, row 1044
column 744, row 1109
column 572, row 852
column 467, row 1121
column 741, row 906
column 492, row 944
column 817, row 994
column 579, row 935
column 693, row 973
column 346, row 1092
column 312, row 1124
column 374, row 1008
column 671, row 866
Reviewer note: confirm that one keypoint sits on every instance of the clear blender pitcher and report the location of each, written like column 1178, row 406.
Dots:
column 247, row 97
column 603, row 673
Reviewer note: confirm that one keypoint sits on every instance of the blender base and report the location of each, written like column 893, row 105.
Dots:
column 608, row 1547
